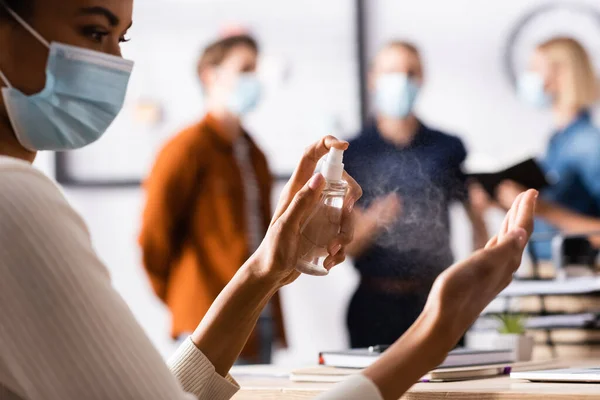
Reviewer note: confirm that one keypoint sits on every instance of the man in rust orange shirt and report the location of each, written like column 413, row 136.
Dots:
column 208, row 197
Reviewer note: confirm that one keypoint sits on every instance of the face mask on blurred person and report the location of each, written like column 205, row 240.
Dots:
column 84, row 92
column 245, row 95
column 530, row 87
column 395, row 95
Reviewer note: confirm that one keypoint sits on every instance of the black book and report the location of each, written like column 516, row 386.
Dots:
column 527, row 173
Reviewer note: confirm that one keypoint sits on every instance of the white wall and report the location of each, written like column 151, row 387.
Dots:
column 466, row 93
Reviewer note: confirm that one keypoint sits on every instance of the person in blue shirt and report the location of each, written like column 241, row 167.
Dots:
column 561, row 78
column 410, row 174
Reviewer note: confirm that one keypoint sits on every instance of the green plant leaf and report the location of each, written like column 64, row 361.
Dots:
column 511, row 324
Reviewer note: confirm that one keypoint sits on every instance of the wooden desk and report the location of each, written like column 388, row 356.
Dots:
column 502, row 388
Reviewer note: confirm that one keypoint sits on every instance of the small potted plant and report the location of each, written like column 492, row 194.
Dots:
column 512, row 336
column 509, row 333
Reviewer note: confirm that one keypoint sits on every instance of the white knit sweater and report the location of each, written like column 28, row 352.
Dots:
column 65, row 333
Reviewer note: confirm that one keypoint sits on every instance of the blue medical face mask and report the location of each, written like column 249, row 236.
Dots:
column 245, row 95
column 530, row 87
column 395, row 95
column 84, row 92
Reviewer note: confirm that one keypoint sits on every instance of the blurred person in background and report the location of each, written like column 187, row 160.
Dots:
column 208, row 199
column 410, row 174
column 561, row 79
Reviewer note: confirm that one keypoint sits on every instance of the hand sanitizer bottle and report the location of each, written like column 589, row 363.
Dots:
column 323, row 224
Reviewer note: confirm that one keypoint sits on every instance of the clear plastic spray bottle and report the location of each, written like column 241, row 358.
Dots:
column 324, row 222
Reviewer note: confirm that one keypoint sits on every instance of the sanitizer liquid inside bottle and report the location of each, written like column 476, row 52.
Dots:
column 324, row 222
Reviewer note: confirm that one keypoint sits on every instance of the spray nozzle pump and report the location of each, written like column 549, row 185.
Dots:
column 333, row 168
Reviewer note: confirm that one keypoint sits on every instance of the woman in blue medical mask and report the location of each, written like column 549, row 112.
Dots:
column 66, row 334
column 561, row 79
column 400, row 249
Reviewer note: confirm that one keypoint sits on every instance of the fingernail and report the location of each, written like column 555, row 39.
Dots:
column 329, row 264
column 343, row 143
column 315, row 181
column 336, row 249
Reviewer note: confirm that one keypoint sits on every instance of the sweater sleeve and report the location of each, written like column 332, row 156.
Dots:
column 169, row 194
column 357, row 387
column 65, row 333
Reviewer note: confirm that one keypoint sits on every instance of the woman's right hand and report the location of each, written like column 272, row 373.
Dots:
column 278, row 254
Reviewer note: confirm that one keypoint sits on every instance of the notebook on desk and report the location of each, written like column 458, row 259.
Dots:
column 362, row 358
column 582, row 375
column 334, row 375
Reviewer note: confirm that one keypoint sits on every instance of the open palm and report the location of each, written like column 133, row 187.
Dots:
column 461, row 292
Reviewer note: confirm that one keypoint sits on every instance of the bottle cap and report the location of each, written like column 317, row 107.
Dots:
column 333, row 168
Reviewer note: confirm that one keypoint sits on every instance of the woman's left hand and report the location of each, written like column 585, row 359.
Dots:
column 463, row 290
column 278, row 254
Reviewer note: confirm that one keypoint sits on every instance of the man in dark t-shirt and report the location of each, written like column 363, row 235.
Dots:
column 410, row 175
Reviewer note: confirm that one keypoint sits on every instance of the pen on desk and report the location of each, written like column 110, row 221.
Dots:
column 379, row 348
